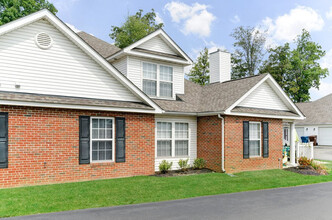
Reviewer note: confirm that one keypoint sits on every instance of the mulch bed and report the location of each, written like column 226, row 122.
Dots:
column 183, row 173
column 307, row 170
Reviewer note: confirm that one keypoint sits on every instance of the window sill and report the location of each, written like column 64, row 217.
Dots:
column 176, row 157
column 102, row 164
column 256, row 157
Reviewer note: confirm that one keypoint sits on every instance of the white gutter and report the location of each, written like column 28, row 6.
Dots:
column 222, row 143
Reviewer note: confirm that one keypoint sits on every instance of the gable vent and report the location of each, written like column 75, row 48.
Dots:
column 43, row 40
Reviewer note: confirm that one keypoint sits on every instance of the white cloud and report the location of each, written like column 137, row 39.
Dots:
column 158, row 18
column 235, row 19
column 73, row 27
column 194, row 19
column 325, row 87
column 329, row 14
column 286, row 27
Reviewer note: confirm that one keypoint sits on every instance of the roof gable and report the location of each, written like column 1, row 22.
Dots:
column 266, row 94
column 89, row 52
column 157, row 45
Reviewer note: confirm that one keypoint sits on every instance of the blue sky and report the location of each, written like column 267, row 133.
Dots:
column 196, row 24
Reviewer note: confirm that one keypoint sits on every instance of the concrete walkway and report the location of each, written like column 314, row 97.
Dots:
column 323, row 152
column 303, row 202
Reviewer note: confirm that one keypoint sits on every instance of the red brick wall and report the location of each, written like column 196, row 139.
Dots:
column 209, row 144
column 44, row 147
column 234, row 161
column 209, row 141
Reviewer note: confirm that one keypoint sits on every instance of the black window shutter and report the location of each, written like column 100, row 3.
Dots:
column 245, row 139
column 3, row 140
column 120, row 130
column 84, row 139
column 265, row 139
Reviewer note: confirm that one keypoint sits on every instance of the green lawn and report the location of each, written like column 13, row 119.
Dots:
column 101, row 193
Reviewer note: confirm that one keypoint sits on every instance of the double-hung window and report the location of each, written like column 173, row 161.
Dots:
column 172, row 139
column 150, row 79
column 158, row 80
column 102, row 139
column 254, row 139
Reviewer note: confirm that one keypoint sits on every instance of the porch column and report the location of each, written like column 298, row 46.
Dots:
column 292, row 143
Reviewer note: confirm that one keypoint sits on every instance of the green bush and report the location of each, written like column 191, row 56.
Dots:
column 165, row 166
column 199, row 163
column 183, row 164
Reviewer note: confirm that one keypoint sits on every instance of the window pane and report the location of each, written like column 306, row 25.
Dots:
column 108, row 155
column 164, row 130
column 181, row 130
column 95, row 133
column 102, row 145
column 109, row 133
column 109, row 123
column 94, row 145
column 94, row 155
column 102, row 133
column 254, row 131
column 109, row 145
column 149, row 71
column 166, row 73
column 150, row 87
column 102, row 155
column 94, row 123
column 254, row 148
column 164, row 148
column 101, row 123
column 181, row 148
column 166, row 89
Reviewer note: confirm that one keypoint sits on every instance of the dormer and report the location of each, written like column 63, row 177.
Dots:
column 155, row 64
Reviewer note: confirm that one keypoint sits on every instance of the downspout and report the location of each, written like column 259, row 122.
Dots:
column 222, row 143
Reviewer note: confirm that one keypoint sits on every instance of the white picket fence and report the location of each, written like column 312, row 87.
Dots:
column 305, row 150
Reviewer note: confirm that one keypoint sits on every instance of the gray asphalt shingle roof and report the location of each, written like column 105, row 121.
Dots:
column 102, row 47
column 52, row 99
column 317, row 112
column 214, row 97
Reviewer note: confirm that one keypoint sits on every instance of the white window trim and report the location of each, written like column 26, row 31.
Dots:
column 158, row 80
column 260, row 138
column 173, row 139
column 113, row 140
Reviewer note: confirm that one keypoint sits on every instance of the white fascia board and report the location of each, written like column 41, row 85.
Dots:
column 262, row 116
column 80, row 107
column 161, row 32
column 84, row 46
column 279, row 90
column 158, row 57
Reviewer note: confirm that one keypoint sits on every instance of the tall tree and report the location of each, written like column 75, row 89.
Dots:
column 11, row 10
column 298, row 69
column 199, row 73
column 135, row 28
column 249, row 51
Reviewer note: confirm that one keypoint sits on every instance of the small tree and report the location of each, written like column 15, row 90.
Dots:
column 249, row 51
column 11, row 10
column 134, row 28
column 297, row 70
column 199, row 73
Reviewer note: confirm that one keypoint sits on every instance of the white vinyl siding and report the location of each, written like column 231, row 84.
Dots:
column 64, row 69
column 135, row 74
column 121, row 65
column 157, row 44
column 264, row 97
column 180, row 139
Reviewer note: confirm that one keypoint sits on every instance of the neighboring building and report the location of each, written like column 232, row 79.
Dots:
column 75, row 108
column 318, row 120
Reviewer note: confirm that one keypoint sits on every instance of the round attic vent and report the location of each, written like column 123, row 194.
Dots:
column 43, row 40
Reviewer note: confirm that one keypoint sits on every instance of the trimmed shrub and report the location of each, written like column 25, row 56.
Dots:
column 183, row 164
column 199, row 163
column 165, row 166
column 303, row 161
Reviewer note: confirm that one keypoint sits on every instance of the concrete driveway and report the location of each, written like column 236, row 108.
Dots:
column 323, row 152
column 303, row 202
